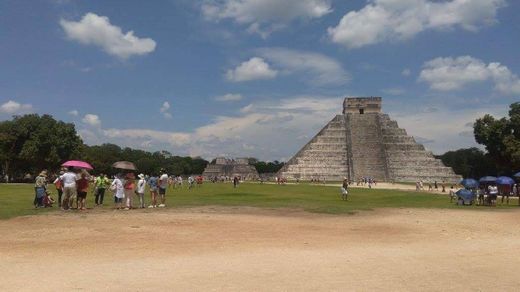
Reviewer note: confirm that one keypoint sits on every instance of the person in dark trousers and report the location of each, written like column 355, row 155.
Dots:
column 235, row 181
column 101, row 183
column 59, row 187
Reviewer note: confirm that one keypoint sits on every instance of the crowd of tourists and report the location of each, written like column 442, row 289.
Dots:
column 72, row 186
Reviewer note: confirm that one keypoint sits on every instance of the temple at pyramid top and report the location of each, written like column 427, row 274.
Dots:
column 362, row 105
column 365, row 142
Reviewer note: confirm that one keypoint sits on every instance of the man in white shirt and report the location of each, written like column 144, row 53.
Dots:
column 163, row 185
column 69, row 187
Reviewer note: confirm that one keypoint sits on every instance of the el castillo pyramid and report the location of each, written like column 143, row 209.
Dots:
column 364, row 142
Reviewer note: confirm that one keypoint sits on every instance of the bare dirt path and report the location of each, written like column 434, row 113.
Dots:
column 246, row 249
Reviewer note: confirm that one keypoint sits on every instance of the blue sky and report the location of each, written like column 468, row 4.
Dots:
column 256, row 77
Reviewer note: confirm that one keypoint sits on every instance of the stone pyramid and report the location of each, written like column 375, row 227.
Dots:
column 364, row 142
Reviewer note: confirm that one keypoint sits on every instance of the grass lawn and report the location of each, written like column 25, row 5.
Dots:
column 16, row 199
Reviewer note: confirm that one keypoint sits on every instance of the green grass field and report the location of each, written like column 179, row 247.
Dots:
column 16, row 199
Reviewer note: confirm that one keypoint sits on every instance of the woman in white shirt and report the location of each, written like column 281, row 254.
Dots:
column 69, row 187
column 141, row 185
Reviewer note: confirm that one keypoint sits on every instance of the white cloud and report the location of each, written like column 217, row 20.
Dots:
column 165, row 110
column 97, row 30
column 388, row 20
column 320, row 69
column 446, row 74
column 229, row 97
column 13, row 107
column 92, row 120
column 254, row 69
column 406, row 72
column 73, row 113
column 264, row 16
column 267, row 131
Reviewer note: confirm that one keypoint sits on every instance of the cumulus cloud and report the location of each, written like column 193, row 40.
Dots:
column 441, row 129
column 165, row 110
column 318, row 68
column 92, row 120
column 267, row 131
column 73, row 113
column 229, row 97
column 13, row 107
column 97, row 30
column 254, row 69
column 446, row 74
column 388, row 20
column 264, row 16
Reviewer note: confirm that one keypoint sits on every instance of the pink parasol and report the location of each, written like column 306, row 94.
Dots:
column 77, row 164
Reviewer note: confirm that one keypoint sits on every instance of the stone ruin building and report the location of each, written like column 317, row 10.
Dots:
column 364, row 142
column 230, row 168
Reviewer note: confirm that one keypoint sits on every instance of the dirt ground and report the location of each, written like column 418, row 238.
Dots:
column 247, row 249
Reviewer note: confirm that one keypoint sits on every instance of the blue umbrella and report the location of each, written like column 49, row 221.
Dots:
column 505, row 180
column 466, row 195
column 488, row 179
column 469, row 183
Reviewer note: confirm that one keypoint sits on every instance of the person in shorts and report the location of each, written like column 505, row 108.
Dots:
column 152, row 183
column 163, row 185
column 82, row 187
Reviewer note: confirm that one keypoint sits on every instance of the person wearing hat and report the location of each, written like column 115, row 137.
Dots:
column 141, row 185
column 40, row 186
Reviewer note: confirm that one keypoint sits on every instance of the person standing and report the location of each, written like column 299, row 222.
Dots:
column 152, row 183
column 101, row 183
column 40, row 187
column 141, row 185
column 163, row 185
column 119, row 191
column 235, row 182
column 82, row 188
column 69, row 187
column 344, row 189
column 58, row 183
column 129, row 186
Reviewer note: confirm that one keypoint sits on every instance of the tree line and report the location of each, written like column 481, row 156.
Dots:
column 33, row 142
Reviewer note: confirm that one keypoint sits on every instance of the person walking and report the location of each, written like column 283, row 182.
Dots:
column 344, row 189
column 101, row 183
column 141, row 185
column 235, row 181
column 69, row 187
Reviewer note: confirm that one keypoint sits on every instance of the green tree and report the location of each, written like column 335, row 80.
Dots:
column 501, row 138
column 32, row 142
column 471, row 162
